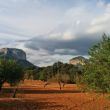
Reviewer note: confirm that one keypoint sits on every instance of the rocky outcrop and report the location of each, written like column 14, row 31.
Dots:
column 12, row 53
column 78, row 60
column 16, row 54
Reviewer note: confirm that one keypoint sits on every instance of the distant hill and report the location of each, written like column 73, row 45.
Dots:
column 78, row 60
column 16, row 54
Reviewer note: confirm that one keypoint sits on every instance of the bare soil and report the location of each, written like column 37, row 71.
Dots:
column 32, row 95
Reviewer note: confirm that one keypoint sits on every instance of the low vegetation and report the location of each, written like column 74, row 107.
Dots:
column 58, row 72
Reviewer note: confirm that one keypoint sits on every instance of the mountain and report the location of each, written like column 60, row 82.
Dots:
column 16, row 54
column 78, row 60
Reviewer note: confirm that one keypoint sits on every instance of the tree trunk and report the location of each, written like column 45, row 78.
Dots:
column 46, row 84
column 0, row 87
column 1, row 83
column 15, row 92
column 59, row 85
column 64, row 85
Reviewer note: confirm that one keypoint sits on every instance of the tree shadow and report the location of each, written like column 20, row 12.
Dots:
column 32, row 91
column 29, row 105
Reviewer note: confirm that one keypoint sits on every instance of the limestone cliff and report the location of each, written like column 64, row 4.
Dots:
column 17, row 54
column 78, row 60
column 12, row 53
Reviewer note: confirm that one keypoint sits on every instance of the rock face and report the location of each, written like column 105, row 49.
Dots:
column 78, row 60
column 17, row 54
column 12, row 53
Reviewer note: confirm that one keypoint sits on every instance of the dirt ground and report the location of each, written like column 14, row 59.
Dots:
column 32, row 95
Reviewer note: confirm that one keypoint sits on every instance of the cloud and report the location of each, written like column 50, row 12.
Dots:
column 101, row 23
column 45, row 52
column 27, row 17
column 53, row 30
column 78, row 31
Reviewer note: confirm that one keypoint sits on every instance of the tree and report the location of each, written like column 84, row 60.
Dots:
column 96, row 71
column 29, row 74
column 65, row 78
column 59, row 72
column 57, row 78
column 36, row 73
column 10, row 72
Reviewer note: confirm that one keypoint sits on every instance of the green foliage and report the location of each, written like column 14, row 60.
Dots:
column 29, row 74
column 43, row 76
column 36, row 73
column 66, row 71
column 96, row 72
column 10, row 72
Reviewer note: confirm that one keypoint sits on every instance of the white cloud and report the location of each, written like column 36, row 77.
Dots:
column 27, row 18
column 62, row 51
column 68, row 35
column 76, row 20
column 101, row 23
column 101, row 3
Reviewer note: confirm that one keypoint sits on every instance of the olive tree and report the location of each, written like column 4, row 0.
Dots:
column 10, row 72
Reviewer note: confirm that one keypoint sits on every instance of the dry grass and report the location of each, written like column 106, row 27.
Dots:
column 32, row 96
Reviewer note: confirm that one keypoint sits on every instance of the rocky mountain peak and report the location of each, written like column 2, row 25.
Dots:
column 17, row 54
column 13, row 53
column 78, row 60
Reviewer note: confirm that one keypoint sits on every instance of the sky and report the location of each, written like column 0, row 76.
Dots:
column 53, row 30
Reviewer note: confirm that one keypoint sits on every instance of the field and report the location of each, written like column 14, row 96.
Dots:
column 32, row 95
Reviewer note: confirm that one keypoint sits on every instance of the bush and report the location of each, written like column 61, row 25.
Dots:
column 96, row 72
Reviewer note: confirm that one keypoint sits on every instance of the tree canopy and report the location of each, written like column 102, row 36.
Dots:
column 10, row 72
column 97, row 71
column 58, row 69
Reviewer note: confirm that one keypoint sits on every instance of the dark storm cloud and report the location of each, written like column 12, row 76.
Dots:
column 77, row 46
